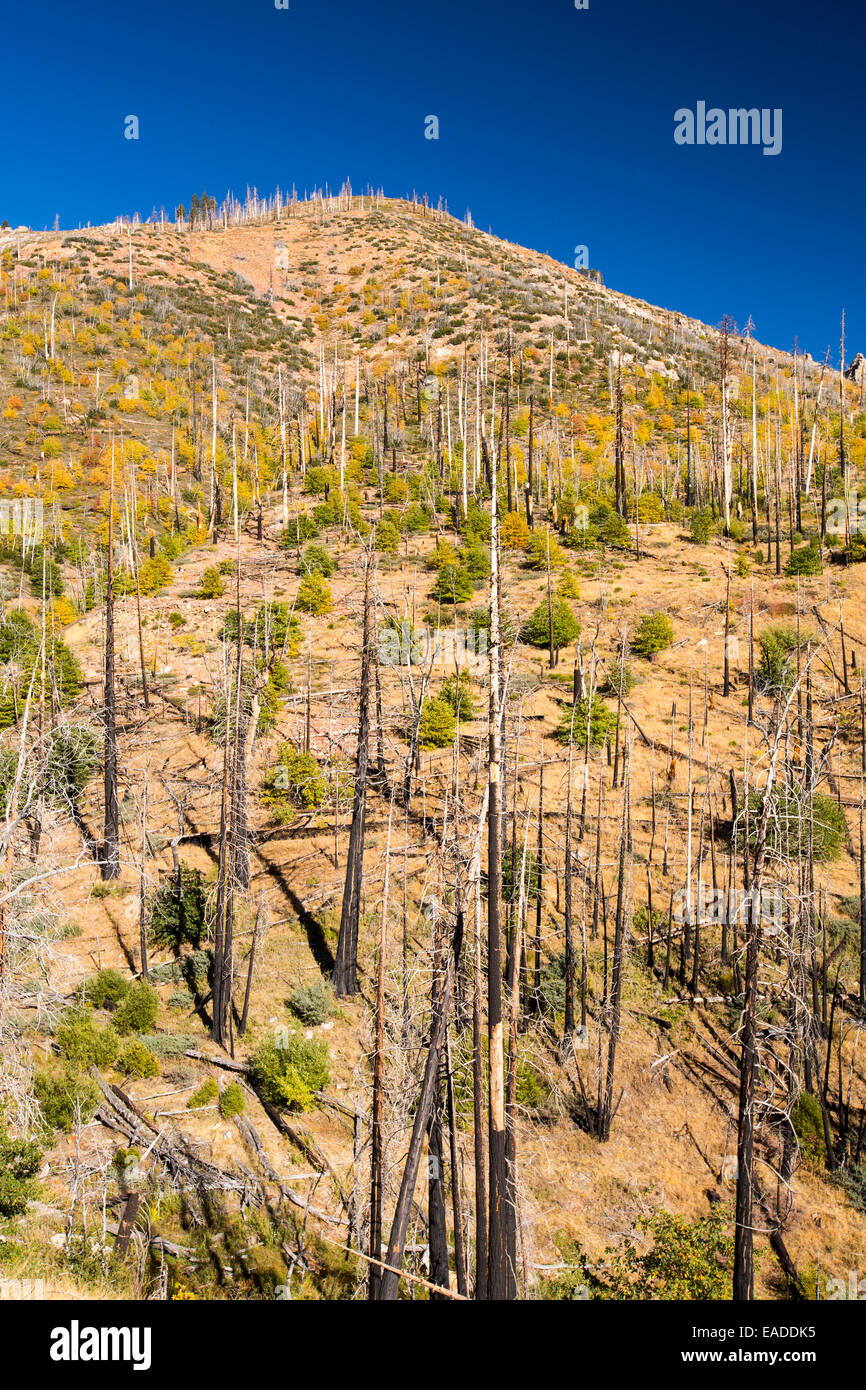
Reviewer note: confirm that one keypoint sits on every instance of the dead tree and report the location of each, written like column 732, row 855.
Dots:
column 345, row 979
column 110, row 861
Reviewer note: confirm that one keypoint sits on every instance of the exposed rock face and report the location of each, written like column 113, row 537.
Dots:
column 857, row 370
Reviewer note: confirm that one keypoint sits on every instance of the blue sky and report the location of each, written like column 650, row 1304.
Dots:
column 555, row 128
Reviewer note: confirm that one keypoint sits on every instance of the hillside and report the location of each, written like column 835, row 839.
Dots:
column 231, row 446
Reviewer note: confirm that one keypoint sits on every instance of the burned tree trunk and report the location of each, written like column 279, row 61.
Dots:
column 345, row 980
column 389, row 1282
column 110, row 863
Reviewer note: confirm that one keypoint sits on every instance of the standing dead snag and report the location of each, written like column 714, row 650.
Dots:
column 110, row 861
column 376, row 1124
column 620, row 939
column 389, row 1281
column 345, row 980
column 744, row 1274
column 499, row 1208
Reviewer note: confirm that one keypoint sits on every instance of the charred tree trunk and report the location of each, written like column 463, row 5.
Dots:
column 110, row 864
column 345, row 980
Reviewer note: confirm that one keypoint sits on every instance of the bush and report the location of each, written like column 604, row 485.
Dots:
column 314, row 595
column 295, row 780
column 602, row 723
column 438, row 726
column 806, row 560
column 514, row 532
column 775, row 674
column 63, row 1098
column 136, row 1060
column 536, row 552
column 653, row 633
column 457, row 694
column 788, row 824
column 567, row 586
column 300, row 529
column 566, row 628
column 475, row 559
column 687, row 1260
column 809, row 1126
column 105, row 989
column 702, row 525
column 232, row 1100
column 198, row 970
column 72, row 755
column 168, row 1044
column 79, row 1040
column 453, row 585
column 206, row 1094
column 178, row 919
column 20, row 652
column 620, row 679
column 318, row 560
column 137, row 1013
column 311, row 1003
column 211, row 585
column 19, row 1164
column 288, row 1073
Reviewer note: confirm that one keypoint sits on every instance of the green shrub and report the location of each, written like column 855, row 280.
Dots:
column 531, row 1089
column 137, row 1013
column 311, row 1003
column 206, row 1094
column 295, row 780
column 475, row 560
column 65, row 1096
column 232, row 1100
column 775, row 674
column 72, row 754
column 535, row 553
column 105, row 989
column 453, row 585
column 438, row 726
column 809, row 1126
column 211, row 585
column 806, row 560
column 687, row 1260
column 300, row 529
column 136, row 1060
column 388, row 536
column 79, row 1040
column 168, row 1044
column 620, row 679
column 289, row 1071
column 198, row 970
column 177, row 920
column 702, row 524
column 788, row 824
column 20, row 1160
column 20, row 652
column 314, row 595
column 457, row 693
column 602, row 723
column 317, row 559
column 653, row 633
column 566, row 628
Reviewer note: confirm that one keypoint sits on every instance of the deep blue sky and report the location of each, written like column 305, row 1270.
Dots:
column 556, row 129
